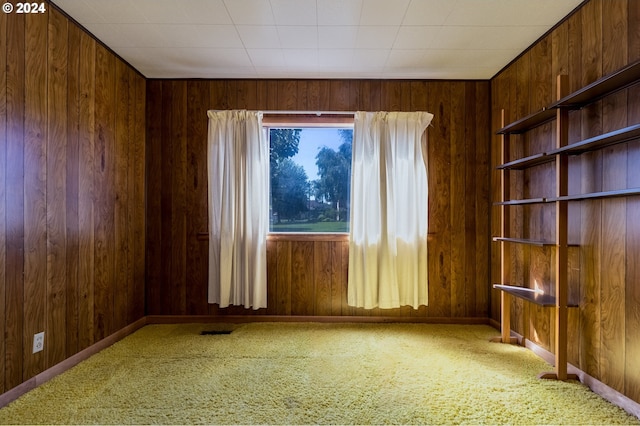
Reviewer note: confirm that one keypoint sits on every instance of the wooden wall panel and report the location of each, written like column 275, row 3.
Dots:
column 284, row 277
column 196, row 197
column 56, row 186
column 35, row 190
column 3, row 187
column 14, row 289
column 138, row 156
column 104, row 182
column 591, row 218
column 439, row 152
column 307, row 277
column 457, row 201
column 153, row 245
column 322, row 277
column 598, row 39
column 121, row 217
column 482, row 208
column 86, row 209
column 66, row 117
column 72, row 181
column 614, row 176
column 178, row 234
column 632, row 260
column 302, row 278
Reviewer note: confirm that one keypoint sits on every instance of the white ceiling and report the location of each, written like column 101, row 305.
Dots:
column 390, row 39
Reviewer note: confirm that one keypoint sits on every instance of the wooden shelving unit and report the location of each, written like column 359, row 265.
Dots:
column 598, row 142
column 603, row 194
column 529, row 122
column 607, row 85
column 524, row 163
column 521, row 202
column 537, row 243
column 558, row 111
column 529, row 294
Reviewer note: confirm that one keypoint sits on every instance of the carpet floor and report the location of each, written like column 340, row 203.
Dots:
column 309, row 373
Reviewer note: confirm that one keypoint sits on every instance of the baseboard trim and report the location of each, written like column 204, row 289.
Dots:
column 605, row 391
column 70, row 362
column 495, row 324
column 184, row 319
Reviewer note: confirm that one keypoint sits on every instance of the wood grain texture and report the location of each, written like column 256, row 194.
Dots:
column 457, row 201
column 632, row 290
column 633, row 35
column 521, row 260
column 166, row 193
column 72, row 178
column 153, row 200
column 614, row 176
column 86, row 209
column 136, row 187
column 284, row 277
column 272, row 277
column 471, row 200
column 57, row 119
column 121, row 187
column 591, row 46
column 35, row 195
column 318, row 285
column 439, row 153
column 599, row 38
column 591, row 219
column 543, row 216
column 632, row 260
column 3, row 187
column 302, row 278
column 499, row 96
column 104, row 183
column 322, row 277
column 482, row 210
column 196, row 197
column 178, row 154
column 614, row 30
column 56, row 187
column 14, row 190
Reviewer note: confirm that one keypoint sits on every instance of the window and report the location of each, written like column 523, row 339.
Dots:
column 310, row 177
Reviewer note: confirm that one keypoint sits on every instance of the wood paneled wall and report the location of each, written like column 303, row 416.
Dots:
column 604, row 271
column 309, row 277
column 72, row 176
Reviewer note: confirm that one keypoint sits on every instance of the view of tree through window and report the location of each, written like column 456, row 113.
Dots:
column 310, row 179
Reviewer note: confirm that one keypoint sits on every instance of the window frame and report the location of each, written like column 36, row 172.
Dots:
column 301, row 121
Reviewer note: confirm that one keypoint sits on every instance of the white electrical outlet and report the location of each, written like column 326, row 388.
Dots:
column 38, row 342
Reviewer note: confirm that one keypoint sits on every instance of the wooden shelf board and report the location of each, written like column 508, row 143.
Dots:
column 523, row 163
column 537, row 243
column 606, row 85
column 595, row 195
column 528, row 294
column 618, row 136
column 529, row 122
column 519, row 202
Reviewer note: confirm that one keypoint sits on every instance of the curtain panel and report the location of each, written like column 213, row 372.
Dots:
column 238, row 167
column 388, row 236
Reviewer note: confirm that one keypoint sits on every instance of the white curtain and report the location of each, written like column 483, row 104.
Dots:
column 388, row 237
column 238, row 160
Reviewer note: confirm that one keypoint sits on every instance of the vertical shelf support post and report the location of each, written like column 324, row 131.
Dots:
column 561, row 284
column 505, row 248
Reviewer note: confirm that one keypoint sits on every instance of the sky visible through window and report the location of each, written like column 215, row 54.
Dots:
column 311, row 140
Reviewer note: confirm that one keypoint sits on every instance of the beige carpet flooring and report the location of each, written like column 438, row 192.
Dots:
column 307, row 373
